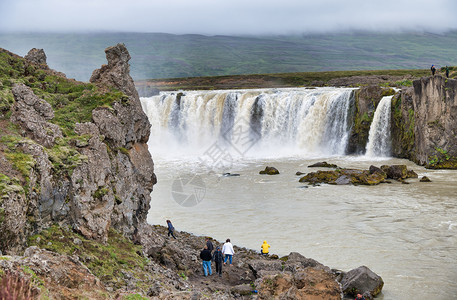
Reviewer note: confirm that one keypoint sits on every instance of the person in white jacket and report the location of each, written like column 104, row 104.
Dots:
column 228, row 251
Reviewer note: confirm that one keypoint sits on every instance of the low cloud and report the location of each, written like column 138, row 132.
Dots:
column 227, row 17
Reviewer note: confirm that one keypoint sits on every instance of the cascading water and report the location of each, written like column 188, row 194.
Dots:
column 379, row 143
column 259, row 123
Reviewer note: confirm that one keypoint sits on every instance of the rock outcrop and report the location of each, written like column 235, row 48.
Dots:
column 102, row 179
column 362, row 281
column 36, row 56
column 424, row 128
column 269, row 171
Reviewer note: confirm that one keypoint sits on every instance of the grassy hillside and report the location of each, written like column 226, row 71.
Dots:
column 156, row 55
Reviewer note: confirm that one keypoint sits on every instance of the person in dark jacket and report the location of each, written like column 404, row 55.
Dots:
column 447, row 72
column 171, row 229
column 433, row 69
column 209, row 245
column 359, row 297
column 218, row 258
column 205, row 255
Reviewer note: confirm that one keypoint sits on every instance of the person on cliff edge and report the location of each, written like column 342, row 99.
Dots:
column 433, row 69
column 205, row 255
column 171, row 229
column 228, row 251
column 264, row 248
column 447, row 72
column 218, row 258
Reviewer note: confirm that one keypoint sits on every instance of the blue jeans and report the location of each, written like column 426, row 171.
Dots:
column 229, row 256
column 207, row 267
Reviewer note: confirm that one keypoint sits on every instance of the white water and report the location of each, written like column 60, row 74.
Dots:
column 379, row 142
column 405, row 233
column 256, row 123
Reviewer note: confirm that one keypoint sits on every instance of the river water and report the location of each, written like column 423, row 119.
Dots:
column 406, row 233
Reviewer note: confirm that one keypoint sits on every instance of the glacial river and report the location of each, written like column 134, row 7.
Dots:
column 406, row 233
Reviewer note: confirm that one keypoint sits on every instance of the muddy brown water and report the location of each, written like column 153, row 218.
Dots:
column 406, row 233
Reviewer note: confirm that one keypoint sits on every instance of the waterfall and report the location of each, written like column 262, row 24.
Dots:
column 259, row 123
column 379, row 143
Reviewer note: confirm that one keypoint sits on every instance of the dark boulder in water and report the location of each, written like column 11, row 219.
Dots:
column 270, row 171
column 395, row 171
column 323, row 164
column 425, row 179
column 230, row 175
column 362, row 281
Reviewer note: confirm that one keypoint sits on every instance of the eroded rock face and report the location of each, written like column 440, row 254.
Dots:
column 36, row 56
column 424, row 128
column 31, row 114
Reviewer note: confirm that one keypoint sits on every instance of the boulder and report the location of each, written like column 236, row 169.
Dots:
column 36, row 56
column 425, row 179
column 377, row 170
column 299, row 173
column 270, row 171
column 411, row 174
column 360, row 281
column 242, row 289
column 303, row 285
column 323, row 164
column 395, row 171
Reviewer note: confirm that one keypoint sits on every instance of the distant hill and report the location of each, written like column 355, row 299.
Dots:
column 158, row 55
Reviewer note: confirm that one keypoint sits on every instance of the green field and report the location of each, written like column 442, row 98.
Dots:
column 157, row 55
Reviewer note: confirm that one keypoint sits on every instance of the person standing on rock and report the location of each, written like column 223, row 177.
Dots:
column 433, row 69
column 447, row 72
column 228, row 251
column 209, row 245
column 218, row 258
column 205, row 255
column 171, row 229
column 264, row 248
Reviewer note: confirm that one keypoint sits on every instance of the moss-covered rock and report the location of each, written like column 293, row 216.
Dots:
column 270, row 171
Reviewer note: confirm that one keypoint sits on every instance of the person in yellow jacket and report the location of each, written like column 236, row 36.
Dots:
column 264, row 250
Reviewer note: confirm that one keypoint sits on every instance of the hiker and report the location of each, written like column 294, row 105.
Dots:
column 447, row 72
column 433, row 70
column 209, row 245
column 228, row 251
column 360, row 297
column 171, row 229
column 205, row 255
column 218, row 258
column 264, row 248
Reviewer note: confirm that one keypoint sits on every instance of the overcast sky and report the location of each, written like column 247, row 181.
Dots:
column 228, row 16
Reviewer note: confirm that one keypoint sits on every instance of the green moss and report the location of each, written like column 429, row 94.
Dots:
column 64, row 159
column 134, row 297
column 9, row 185
column 106, row 261
column 441, row 160
column 100, row 192
column 124, row 151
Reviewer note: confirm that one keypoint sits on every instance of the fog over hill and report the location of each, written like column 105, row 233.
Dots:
column 159, row 55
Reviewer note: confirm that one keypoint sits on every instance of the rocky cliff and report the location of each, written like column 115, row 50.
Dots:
column 90, row 175
column 424, row 122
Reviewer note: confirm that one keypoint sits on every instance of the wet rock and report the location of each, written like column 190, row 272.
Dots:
column 299, row 173
column 395, row 171
column 343, row 180
column 270, row 171
column 425, row 179
column 323, row 164
column 360, row 281
column 411, row 174
column 31, row 114
column 374, row 169
column 36, row 56
column 230, row 175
